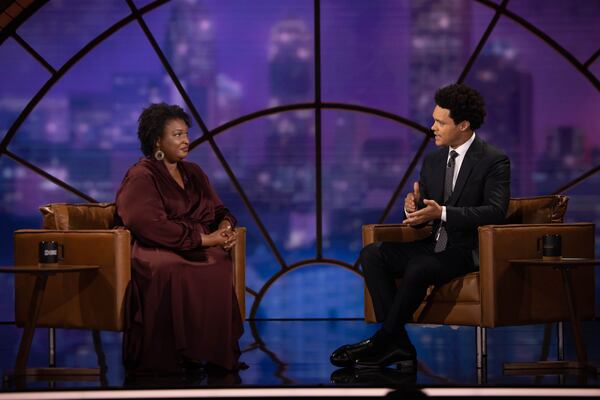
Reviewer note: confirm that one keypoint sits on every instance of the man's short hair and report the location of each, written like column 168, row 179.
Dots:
column 464, row 103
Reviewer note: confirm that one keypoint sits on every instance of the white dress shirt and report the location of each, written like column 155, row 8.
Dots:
column 461, row 150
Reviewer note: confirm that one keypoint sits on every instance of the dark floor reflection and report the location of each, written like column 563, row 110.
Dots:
column 367, row 377
column 297, row 353
column 199, row 378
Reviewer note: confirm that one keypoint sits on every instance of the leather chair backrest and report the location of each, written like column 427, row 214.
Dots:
column 537, row 210
column 65, row 216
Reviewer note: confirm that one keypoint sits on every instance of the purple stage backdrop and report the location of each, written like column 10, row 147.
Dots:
column 238, row 57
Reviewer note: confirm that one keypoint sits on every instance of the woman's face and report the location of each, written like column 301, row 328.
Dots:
column 174, row 141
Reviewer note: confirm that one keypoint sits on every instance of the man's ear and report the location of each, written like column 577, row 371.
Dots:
column 464, row 125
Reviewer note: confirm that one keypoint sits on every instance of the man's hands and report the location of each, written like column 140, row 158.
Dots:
column 412, row 199
column 430, row 212
column 225, row 237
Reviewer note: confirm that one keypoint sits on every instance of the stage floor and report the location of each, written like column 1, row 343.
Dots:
column 292, row 353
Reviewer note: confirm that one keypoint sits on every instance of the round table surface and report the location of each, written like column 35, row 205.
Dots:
column 48, row 268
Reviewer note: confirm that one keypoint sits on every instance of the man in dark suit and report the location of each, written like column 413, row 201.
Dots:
column 462, row 186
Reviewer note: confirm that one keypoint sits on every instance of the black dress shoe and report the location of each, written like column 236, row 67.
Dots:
column 344, row 356
column 367, row 376
column 403, row 355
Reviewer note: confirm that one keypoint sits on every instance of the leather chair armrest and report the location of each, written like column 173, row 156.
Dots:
column 238, row 258
column 393, row 233
column 514, row 294
column 89, row 300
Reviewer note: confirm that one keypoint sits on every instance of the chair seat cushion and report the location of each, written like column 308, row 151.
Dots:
column 462, row 289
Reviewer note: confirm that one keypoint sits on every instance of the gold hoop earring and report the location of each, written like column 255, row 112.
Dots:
column 159, row 155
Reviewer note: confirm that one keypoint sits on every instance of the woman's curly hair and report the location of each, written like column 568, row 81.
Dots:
column 152, row 123
column 464, row 103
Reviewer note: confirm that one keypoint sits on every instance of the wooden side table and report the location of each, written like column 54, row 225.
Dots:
column 41, row 274
column 565, row 265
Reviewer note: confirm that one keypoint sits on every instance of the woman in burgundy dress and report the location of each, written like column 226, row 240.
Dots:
column 181, row 309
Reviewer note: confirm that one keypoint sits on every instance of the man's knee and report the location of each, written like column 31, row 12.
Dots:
column 421, row 271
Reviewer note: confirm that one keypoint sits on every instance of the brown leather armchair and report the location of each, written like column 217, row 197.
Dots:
column 501, row 294
column 83, row 300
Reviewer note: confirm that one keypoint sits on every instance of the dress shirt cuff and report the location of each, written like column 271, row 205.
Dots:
column 444, row 213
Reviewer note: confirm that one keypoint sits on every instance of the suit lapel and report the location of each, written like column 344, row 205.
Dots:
column 471, row 158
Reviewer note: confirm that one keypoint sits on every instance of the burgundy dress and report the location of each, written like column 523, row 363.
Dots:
column 181, row 303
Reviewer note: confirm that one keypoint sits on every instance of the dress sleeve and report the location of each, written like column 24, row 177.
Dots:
column 141, row 208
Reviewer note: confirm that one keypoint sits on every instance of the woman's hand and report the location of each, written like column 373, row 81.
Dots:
column 224, row 237
column 230, row 234
column 225, row 224
column 231, row 238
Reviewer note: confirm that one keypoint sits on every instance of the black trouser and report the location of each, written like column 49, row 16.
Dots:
column 418, row 266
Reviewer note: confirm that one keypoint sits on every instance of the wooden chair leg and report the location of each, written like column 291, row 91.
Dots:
column 546, row 342
column 51, row 347
column 481, row 355
column 560, row 341
column 481, row 350
column 99, row 352
column 33, row 313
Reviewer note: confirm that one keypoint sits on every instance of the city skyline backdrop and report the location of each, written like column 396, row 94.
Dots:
column 239, row 57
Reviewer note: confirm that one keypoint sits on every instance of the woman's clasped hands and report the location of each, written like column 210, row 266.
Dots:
column 230, row 236
column 224, row 236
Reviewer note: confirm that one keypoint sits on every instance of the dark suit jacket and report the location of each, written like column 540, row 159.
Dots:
column 480, row 195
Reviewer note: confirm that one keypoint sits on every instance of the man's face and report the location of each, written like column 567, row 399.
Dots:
column 447, row 133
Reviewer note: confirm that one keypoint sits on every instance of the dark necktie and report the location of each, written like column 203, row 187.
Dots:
column 442, row 235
